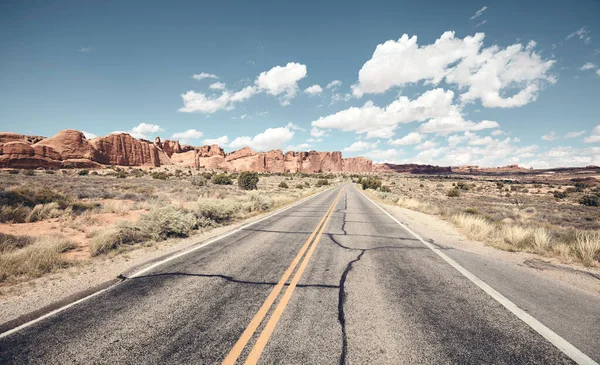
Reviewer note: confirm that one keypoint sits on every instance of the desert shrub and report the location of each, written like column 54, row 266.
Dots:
column 41, row 257
column 590, row 201
column 321, row 182
column 299, row 186
column 370, row 183
column 122, row 234
column 560, row 194
column 159, row 175
column 30, row 198
column 49, row 172
column 473, row 211
column 500, row 185
column 166, row 222
column 247, row 180
column 217, row 210
column 221, row 179
column 29, row 173
column 385, row 189
column 8, row 242
column 462, row 185
column 516, row 235
column 307, row 184
column 541, row 239
column 121, row 174
column 207, row 175
column 13, row 172
column 283, row 185
column 198, row 181
column 16, row 214
column 83, row 172
column 453, row 193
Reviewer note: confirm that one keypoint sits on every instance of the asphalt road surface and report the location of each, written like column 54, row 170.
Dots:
column 333, row 280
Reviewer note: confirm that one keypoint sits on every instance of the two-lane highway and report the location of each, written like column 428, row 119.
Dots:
column 331, row 280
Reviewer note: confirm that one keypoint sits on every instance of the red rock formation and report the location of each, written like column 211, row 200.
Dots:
column 122, row 149
column 9, row 137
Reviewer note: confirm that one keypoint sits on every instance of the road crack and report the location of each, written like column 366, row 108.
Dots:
column 341, row 302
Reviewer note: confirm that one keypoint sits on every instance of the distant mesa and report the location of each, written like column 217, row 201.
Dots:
column 70, row 148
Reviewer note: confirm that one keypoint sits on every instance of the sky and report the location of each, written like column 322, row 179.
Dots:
column 437, row 82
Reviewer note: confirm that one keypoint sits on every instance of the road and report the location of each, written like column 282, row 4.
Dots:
column 360, row 289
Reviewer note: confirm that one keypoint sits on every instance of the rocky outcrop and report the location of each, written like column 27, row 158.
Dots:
column 70, row 148
column 412, row 169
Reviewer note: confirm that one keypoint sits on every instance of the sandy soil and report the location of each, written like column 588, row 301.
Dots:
column 432, row 227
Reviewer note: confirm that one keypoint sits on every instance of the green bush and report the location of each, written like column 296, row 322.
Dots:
column 222, row 179
column 166, row 222
column 13, row 172
column 321, row 182
column 590, row 201
column 370, row 183
column 454, row 193
column 248, row 180
column 121, row 175
column 385, row 189
column 29, row 173
column 49, row 172
column 299, row 186
column 83, row 172
column 283, row 185
column 560, row 194
column 217, row 210
column 198, row 181
column 160, row 175
column 462, row 186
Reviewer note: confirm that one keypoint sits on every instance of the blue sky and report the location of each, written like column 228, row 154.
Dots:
column 482, row 83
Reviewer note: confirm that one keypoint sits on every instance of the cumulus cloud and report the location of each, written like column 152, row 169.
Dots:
column 594, row 137
column 409, row 139
column 382, row 156
column 487, row 74
column 587, row 66
column 218, row 86
column 142, row 130
column 86, row 49
column 298, row 147
column 317, row 133
column 89, row 135
column 278, row 81
column 204, row 75
column 361, row 146
column 270, row 139
column 294, row 127
column 314, row 89
column 478, row 13
column 570, row 135
column 550, row 136
column 282, row 80
column 221, row 141
column 185, row 137
column 376, row 122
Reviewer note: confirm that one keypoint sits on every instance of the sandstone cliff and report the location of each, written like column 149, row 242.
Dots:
column 70, row 148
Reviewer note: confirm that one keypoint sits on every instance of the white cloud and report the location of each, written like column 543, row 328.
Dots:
column 314, row 89
column 587, row 66
column 334, row 83
column 427, row 145
column 314, row 140
column 204, row 75
column 381, row 156
column 270, row 139
column 221, row 141
column 478, row 13
column 361, row 146
column 282, row 81
column 218, row 86
column 294, row 127
column 433, row 105
column 89, row 135
column 200, row 102
column 244, row 116
column 485, row 73
column 260, row 114
column 409, row 139
column 299, row 147
column 581, row 33
column 316, row 132
column 86, row 49
column 550, row 136
column 574, row 134
column 598, row 72
column 142, row 130
column 594, row 137
column 185, row 137
column 498, row 132
column 481, row 23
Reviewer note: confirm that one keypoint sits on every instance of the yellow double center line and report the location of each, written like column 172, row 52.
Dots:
column 260, row 344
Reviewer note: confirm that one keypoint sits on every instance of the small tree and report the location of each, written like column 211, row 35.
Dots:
column 370, row 183
column 222, row 179
column 248, row 180
column 590, row 201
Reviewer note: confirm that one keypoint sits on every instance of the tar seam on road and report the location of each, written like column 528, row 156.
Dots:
column 563, row 345
column 242, row 341
column 266, row 333
column 170, row 258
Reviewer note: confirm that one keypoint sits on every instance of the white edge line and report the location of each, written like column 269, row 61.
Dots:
column 153, row 266
column 563, row 345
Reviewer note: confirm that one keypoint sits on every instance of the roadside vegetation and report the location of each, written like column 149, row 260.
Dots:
column 558, row 217
column 51, row 220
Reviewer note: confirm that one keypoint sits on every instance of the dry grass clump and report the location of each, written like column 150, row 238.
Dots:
column 44, row 211
column 587, row 246
column 111, row 239
column 541, row 239
column 217, row 210
column 474, row 227
column 516, row 236
column 9, row 242
column 167, row 222
column 35, row 259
